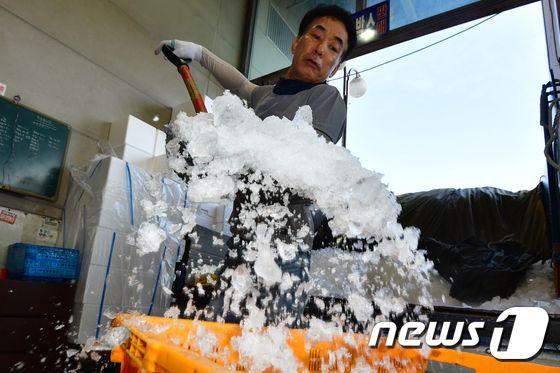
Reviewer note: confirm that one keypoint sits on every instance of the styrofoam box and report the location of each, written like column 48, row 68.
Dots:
column 120, row 296
column 157, row 164
column 115, row 202
column 141, row 135
column 120, row 200
column 159, row 148
column 211, row 216
column 132, row 154
column 121, row 287
column 133, row 132
column 132, row 136
column 107, row 202
column 126, row 263
column 111, row 205
column 84, row 320
column 125, row 257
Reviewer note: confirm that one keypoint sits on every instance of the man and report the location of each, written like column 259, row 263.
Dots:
column 325, row 38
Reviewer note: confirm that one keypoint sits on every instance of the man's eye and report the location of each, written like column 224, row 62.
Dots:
column 315, row 36
column 333, row 48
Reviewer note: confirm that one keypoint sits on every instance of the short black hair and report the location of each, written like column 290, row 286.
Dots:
column 336, row 12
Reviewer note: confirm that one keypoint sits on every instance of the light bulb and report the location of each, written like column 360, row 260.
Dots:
column 357, row 87
column 155, row 118
column 367, row 35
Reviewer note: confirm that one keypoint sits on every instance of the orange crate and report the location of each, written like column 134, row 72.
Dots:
column 169, row 345
column 159, row 344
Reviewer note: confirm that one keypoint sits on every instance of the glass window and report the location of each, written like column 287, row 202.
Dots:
column 462, row 113
column 277, row 23
column 405, row 12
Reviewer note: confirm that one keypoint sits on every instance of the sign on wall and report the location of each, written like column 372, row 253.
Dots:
column 32, row 151
column 372, row 23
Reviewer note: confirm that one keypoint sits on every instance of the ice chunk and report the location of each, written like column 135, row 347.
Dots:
column 362, row 308
column 154, row 210
column 172, row 312
column 149, row 237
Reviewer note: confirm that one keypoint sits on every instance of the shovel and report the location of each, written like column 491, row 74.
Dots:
column 185, row 72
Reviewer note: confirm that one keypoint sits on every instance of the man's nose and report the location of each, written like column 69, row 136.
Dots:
column 320, row 48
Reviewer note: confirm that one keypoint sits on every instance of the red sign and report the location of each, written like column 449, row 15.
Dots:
column 8, row 217
column 372, row 23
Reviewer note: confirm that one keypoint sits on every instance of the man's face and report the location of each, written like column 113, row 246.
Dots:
column 318, row 52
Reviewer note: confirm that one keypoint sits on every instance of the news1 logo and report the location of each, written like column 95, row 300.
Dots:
column 526, row 340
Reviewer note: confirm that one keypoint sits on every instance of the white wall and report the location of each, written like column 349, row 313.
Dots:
column 90, row 63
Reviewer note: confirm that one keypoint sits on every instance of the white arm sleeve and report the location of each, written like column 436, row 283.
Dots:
column 228, row 76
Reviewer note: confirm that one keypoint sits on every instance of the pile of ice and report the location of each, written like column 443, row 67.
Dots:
column 233, row 150
column 233, row 140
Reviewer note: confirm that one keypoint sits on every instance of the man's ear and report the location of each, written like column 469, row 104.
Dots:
column 295, row 42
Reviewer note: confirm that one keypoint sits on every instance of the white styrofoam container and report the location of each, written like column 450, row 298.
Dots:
column 85, row 320
column 157, row 164
column 115, row 201
column 159, row 148
column 103, row 199
column 140, row 134
column 136, row 141
column 107, row 204
column 211, row 216
column 112, row 196
column 132, row 154
column 121, row 287
column 133, row 132
column 124, row 256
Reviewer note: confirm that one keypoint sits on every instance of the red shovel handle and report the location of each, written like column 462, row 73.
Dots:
column 196, row 97
column 185, row 72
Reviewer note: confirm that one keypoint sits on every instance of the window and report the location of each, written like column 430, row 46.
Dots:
column 463, row 113
column 404, row 12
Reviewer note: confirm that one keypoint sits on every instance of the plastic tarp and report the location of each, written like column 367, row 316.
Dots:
column 480, row 271
column 487, row 214
column 493, row 231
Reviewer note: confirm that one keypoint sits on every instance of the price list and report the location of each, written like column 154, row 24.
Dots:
column 32, row 149
column 7, row 119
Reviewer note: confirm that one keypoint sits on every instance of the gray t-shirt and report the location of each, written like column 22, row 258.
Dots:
column 329, row 111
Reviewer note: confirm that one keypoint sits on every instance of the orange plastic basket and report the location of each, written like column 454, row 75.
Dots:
column 172, row 345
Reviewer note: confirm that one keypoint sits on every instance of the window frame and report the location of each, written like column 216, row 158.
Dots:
column 411, row 31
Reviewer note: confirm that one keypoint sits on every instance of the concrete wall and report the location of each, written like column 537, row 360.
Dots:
column 90, row 63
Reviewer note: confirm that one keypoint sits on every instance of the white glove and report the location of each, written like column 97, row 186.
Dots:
column 183, row 49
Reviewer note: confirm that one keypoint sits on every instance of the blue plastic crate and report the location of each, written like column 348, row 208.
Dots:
column 26, row 261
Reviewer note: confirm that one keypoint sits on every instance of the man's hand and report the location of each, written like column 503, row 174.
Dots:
column 183, row 49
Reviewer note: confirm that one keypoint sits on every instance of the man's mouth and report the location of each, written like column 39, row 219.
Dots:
column 312, row 63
